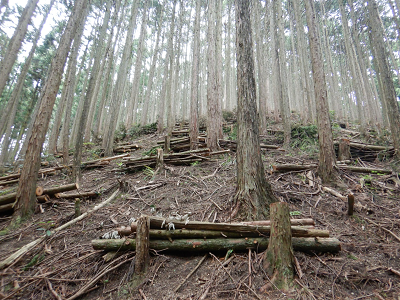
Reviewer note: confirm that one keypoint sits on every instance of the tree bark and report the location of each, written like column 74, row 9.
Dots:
column 253, row 192
column 26, row 198
column 15, row 43
column 142, row 246
column 381, row 65
column 194, row 88
column 327, row 158
column 279, row 258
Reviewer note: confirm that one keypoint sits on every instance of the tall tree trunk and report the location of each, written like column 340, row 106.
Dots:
column 15, row 43
column 16, row 93
column 132, row 104
column 118, row 93
column 149, row 88
column 253, row 192
column 381, row 64
column 95, row 75
column 170, row 62
column 327, row 159
column 284, row 97
column 71, row 86
column 214, row 114
column 26, row 198
column 194, row 87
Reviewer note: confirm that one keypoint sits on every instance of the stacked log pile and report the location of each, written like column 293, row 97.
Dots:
column 232, row 145
column 367, row 152
column 183, row 143
column 181, row 158
column 43, row 195
column 97, row 163
column 126, row 148
column 193, row 236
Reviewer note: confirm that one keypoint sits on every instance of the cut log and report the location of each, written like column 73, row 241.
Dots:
column 344, row 149
column 142, row 259
column 366, row 170
column 39, row 191
column 6, row 207
column 158, row 223
column 77, row 195
column 9, row 260
column 321, row 245
column 9, row 198
column 350, row 203
column 290, row 167
column 43, row 198
column 295, row 222
column 59, row 189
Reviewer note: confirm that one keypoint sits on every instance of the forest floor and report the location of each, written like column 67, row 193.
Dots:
column 367, row 267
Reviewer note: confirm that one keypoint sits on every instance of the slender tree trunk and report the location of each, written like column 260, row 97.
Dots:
column 26, row 197
column 16, row 93
column 15, row 43
column 253, row 192
column 118, row 93
column 71, row 86
column 194, row 88
column 327, row 159
column 381, row 64
column 149, row 90
column 131, row 111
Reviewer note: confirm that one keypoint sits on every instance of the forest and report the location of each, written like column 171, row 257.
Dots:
column 209, row 149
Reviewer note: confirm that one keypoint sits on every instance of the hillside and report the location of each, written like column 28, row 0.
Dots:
column 65, row 264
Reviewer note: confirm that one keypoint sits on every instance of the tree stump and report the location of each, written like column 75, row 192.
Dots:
column 344, row 150
column 160, row 159
column 142, row 246
column 279, row 259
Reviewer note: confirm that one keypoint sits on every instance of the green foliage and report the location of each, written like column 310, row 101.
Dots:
column 195, row 163
column 36, row 259
column 139, row 130
column 152, row 151
column 232, row 132
column 305, row 138
column 121, row 132
column 295, row 213
column 148, row 172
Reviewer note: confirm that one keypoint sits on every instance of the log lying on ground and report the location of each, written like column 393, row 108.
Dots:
column 232, row 145
column 158, row 223
column 10, row 198
column 77, row 195
column 320, row 245
column 6, row 207
column 295, row 222
column 291, row 167
column 187, row 157
column 366, row 151
column 6, row 179
column 126, row 148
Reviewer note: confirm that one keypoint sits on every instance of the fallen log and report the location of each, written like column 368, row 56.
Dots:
column 6, row 207
column 43, row 198
column 58, row 189
column 9, row 260
column 10, row 198
column 76, row 195
column 158, row 223
column 233, row 145
column 296, row 222
column 320, row 245
column 366, row 170
column 290, row 167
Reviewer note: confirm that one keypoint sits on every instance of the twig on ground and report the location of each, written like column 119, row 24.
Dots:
column 383, row 228
column 142, row 294
column 52, row 290
column 191, row 273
